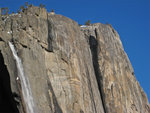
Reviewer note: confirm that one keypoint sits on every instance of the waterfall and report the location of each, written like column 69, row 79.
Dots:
column 25, row 85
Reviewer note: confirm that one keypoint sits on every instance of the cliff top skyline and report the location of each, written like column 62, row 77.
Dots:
column 129, row 17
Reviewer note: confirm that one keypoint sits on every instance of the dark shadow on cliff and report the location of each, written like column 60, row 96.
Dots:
column 56, row 105
column 94, row 50
column 7, row 102
column 90, row 88
column 49, row 36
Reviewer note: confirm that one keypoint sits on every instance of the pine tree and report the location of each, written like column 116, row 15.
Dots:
column 22, row 8
column 88, row 22
column 31, row 5
column 4, row 11
column 0, row 11
column 18, row 11
column 52, row 10
column 40, row 5
column 43, row 6
column 7, row 10
column 26, row 4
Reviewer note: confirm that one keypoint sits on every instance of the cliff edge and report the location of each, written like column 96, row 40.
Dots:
column 70, row 69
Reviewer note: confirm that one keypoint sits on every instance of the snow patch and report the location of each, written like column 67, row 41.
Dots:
column 83, row 26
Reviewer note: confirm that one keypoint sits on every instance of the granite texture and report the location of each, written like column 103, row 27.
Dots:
column 71, row 69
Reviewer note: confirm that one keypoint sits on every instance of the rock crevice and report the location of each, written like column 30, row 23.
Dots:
column 94, row 50
column 71, row 69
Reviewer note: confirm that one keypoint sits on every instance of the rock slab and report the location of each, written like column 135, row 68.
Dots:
column 71, row 69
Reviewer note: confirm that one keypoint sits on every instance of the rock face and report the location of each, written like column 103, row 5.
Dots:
column 120, row 90
column 71, row 69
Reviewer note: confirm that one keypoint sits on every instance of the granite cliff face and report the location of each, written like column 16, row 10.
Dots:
column 71, row 69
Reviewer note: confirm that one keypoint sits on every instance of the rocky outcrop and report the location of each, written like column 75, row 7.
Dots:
column 71, row 69
column 120, row 90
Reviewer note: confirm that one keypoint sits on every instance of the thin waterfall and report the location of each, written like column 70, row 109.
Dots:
column 25, row 85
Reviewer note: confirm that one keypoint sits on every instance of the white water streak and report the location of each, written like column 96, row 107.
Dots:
column 25, row 86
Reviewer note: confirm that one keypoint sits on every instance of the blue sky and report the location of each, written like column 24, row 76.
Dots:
column 131, row 19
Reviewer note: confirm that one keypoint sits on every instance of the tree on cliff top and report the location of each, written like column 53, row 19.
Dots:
column 42, row 6
column 22, row 8
column 88, row 23
column 4, row 11
column 26, row 4
column 52, row 10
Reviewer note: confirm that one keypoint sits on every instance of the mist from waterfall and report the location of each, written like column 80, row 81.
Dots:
column 25, row 85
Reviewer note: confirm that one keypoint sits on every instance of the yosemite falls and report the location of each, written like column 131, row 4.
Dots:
column 23, row 82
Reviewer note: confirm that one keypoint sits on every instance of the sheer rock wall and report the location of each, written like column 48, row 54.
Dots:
column 71, row 69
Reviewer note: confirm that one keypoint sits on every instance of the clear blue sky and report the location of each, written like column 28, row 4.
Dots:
column 131, row 18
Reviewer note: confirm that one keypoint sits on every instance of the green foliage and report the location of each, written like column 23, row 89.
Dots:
column 4, row 11
column 52, row 10
column 22, row 8
column 26, row 4
column 31, row 5
column 18, row 11
column 133, row 73
column 88, row 23
column 42, row 6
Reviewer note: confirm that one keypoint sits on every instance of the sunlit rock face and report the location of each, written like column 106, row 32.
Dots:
column 121, row 92
column 71, row 69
